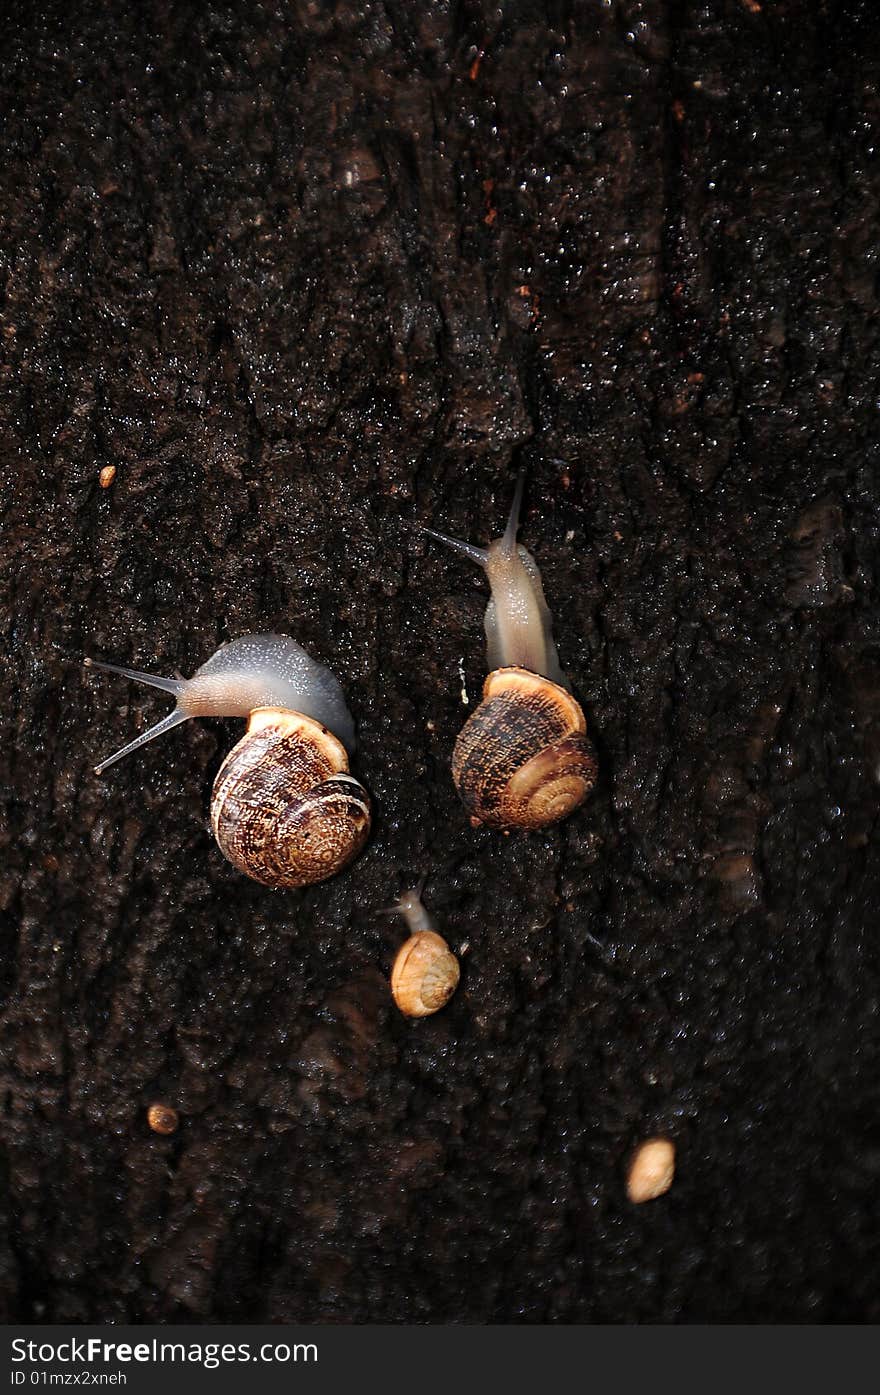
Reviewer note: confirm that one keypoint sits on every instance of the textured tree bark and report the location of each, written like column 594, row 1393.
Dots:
column 302, row 273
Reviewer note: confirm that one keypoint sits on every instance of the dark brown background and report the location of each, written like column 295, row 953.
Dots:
column 301, row 271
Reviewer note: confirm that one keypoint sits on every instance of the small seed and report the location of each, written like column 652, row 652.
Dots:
column 107, row 476
column 651, row 1170
column 162, row 1118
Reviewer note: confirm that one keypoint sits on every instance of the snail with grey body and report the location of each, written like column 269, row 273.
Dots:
column 523, row 759
column 284, row 808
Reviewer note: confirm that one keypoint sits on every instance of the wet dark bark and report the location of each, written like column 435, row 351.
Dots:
column 299, row 271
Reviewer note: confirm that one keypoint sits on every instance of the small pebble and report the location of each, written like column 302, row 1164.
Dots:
column 651, row 1170
column 107, row 476
column 162, row 1118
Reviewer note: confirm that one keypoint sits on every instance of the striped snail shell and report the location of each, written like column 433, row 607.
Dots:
column 284, row 809
column 523, row 760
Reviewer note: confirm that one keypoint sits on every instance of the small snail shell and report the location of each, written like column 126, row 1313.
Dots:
column 425, row 975
column 284, row 809
column 162, row 1118
column 523, row 759
column 426, row 972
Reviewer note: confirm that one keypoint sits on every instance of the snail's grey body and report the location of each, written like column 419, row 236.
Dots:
column 411, row 907
column 518, row 621
column 242, row 676
column 268, row 671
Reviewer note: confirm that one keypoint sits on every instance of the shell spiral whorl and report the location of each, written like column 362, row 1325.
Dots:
column 284, row 809
column 425, row 974
column 523, row 760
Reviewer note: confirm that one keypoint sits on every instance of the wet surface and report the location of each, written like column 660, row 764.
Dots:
column 297, row 272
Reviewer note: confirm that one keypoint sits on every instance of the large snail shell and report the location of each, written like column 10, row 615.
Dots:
column 284, row 809
column 523, row 760
column 425, row 974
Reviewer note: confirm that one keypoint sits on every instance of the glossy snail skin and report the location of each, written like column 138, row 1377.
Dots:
column 523, row 759
column 426, row 972
column 519, row 626
column 284, row 808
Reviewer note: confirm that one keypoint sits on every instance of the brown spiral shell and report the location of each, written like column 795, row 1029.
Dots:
column 523, row 760
column 425, row 974
column 284, row 809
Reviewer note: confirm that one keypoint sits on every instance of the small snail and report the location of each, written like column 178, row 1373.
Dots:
column 425, row 973
column 284, row 809
column 523, row 759
column 163, row 1118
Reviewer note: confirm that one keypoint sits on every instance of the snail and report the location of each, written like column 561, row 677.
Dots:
column 284, row 809
column 523, row 759
column 163, row 1118
column 425, row 973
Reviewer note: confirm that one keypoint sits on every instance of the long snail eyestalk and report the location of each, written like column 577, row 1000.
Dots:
column 284, row 808
column 426, row 972
column 523, row 759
